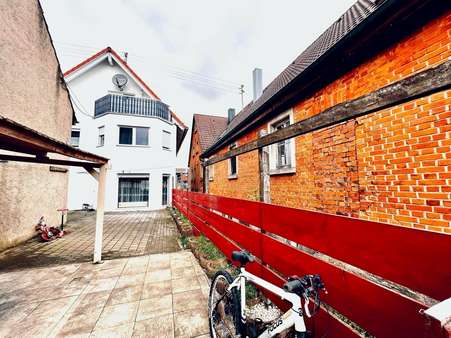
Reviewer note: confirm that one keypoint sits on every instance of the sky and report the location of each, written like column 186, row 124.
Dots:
column 194, row 54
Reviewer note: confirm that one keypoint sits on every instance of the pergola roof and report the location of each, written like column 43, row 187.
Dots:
column 19, row 138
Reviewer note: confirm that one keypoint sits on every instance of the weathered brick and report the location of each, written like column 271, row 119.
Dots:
column 390, row 166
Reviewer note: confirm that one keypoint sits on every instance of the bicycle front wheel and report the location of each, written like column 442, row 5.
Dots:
column 223, row 307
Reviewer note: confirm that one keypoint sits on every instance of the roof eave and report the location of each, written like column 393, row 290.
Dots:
column 374, row 19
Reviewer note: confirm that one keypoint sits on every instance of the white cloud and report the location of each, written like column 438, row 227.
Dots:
column 171, row 42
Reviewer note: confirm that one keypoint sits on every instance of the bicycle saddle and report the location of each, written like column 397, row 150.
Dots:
column 243, row 257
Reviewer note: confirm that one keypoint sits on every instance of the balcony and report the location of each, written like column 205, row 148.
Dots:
column 129, row 105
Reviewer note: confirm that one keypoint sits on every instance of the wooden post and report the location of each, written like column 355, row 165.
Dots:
column 190, row 177
column 99, row 214
column 263, row 163
column 206, row 178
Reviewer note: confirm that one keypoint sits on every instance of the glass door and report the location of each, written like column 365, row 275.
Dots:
column 165, row 190
column 133, row 192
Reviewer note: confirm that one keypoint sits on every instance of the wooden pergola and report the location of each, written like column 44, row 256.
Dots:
column 31, row 146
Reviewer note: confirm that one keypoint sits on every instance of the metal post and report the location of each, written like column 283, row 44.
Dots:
column 99, row 214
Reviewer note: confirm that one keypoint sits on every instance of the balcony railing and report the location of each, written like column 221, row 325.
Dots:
column 121, row 104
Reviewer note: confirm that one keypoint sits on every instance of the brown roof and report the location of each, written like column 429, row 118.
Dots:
column 209, row 128
column 357, row 13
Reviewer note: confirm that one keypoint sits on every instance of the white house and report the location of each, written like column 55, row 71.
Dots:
column 121, row 118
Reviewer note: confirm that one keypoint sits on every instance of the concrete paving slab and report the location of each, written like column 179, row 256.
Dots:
column 155, row 231
column 99, row 305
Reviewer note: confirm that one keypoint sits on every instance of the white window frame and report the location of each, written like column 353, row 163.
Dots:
column 133, row 144
column 235, row 175
column 162, row 140
column 290, row 169
column 101, row 144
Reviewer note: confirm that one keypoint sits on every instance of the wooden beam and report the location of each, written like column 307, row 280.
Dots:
column 263, row 164
column 46, row 160
column 99, row 214
column 32, row 141
column 421, row 84
column 94, row 173
column 206, row 174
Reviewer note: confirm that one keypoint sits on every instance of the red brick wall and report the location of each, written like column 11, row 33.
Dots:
column 246, row 185
column 405, row 160
column 355, row 168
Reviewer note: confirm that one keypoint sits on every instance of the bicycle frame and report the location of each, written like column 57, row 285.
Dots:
column 294, row 316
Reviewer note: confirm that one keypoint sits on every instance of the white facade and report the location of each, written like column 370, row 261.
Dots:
column 132, row 167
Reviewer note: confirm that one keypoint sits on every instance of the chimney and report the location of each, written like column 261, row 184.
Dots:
column 257, row 75
column 230, row 114
column 125, row 57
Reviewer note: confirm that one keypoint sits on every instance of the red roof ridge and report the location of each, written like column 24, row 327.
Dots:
column 124, row 64
column 209, row 115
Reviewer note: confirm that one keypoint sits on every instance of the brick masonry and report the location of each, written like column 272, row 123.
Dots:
column 390, row 166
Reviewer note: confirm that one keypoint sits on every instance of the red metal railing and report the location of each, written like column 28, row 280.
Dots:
column 415, row 263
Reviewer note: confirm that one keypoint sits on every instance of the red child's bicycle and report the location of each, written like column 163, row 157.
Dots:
column 48, row 233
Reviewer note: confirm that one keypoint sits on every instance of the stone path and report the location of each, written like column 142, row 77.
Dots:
column 125, row 234
column 162, row 295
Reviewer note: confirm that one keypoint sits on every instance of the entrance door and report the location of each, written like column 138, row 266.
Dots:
column 165, row 190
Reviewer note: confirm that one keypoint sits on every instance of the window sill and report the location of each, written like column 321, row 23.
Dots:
column 132, row 145
column 233, row 177
column 282, row 171
column 166, row 149
column 210, row 179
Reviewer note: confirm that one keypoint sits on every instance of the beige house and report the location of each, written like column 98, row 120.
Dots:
column 33, row 94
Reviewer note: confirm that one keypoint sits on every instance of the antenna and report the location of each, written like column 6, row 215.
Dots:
column 242, row 93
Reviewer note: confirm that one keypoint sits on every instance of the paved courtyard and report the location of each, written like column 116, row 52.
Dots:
column 125, row 235
column 161, row 295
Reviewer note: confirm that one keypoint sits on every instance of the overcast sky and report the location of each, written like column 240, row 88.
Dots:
column 193, row 54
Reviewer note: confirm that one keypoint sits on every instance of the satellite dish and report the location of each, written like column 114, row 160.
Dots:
column 120, row 80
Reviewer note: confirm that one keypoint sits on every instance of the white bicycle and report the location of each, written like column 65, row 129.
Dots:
column 227, row 303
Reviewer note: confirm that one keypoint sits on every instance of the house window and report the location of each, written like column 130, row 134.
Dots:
column 282, row 153
column 133, row 192
column 101, row 140
column 142, row 136
column 211, row 172
column 125, row 135
column 166, row 140
column 75, row 138
column 138, row 136
column 232, row 164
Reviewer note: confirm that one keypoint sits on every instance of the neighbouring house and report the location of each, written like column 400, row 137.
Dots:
column 33, row 94
column 205, row 130
column 120, row 117
column 181, row 181
column 359, row 123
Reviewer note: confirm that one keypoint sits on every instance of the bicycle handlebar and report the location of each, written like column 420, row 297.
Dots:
column 307, row 286
column 294, row 286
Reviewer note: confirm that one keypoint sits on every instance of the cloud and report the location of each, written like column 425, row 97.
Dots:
column 205, row 92
column 221, row 40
